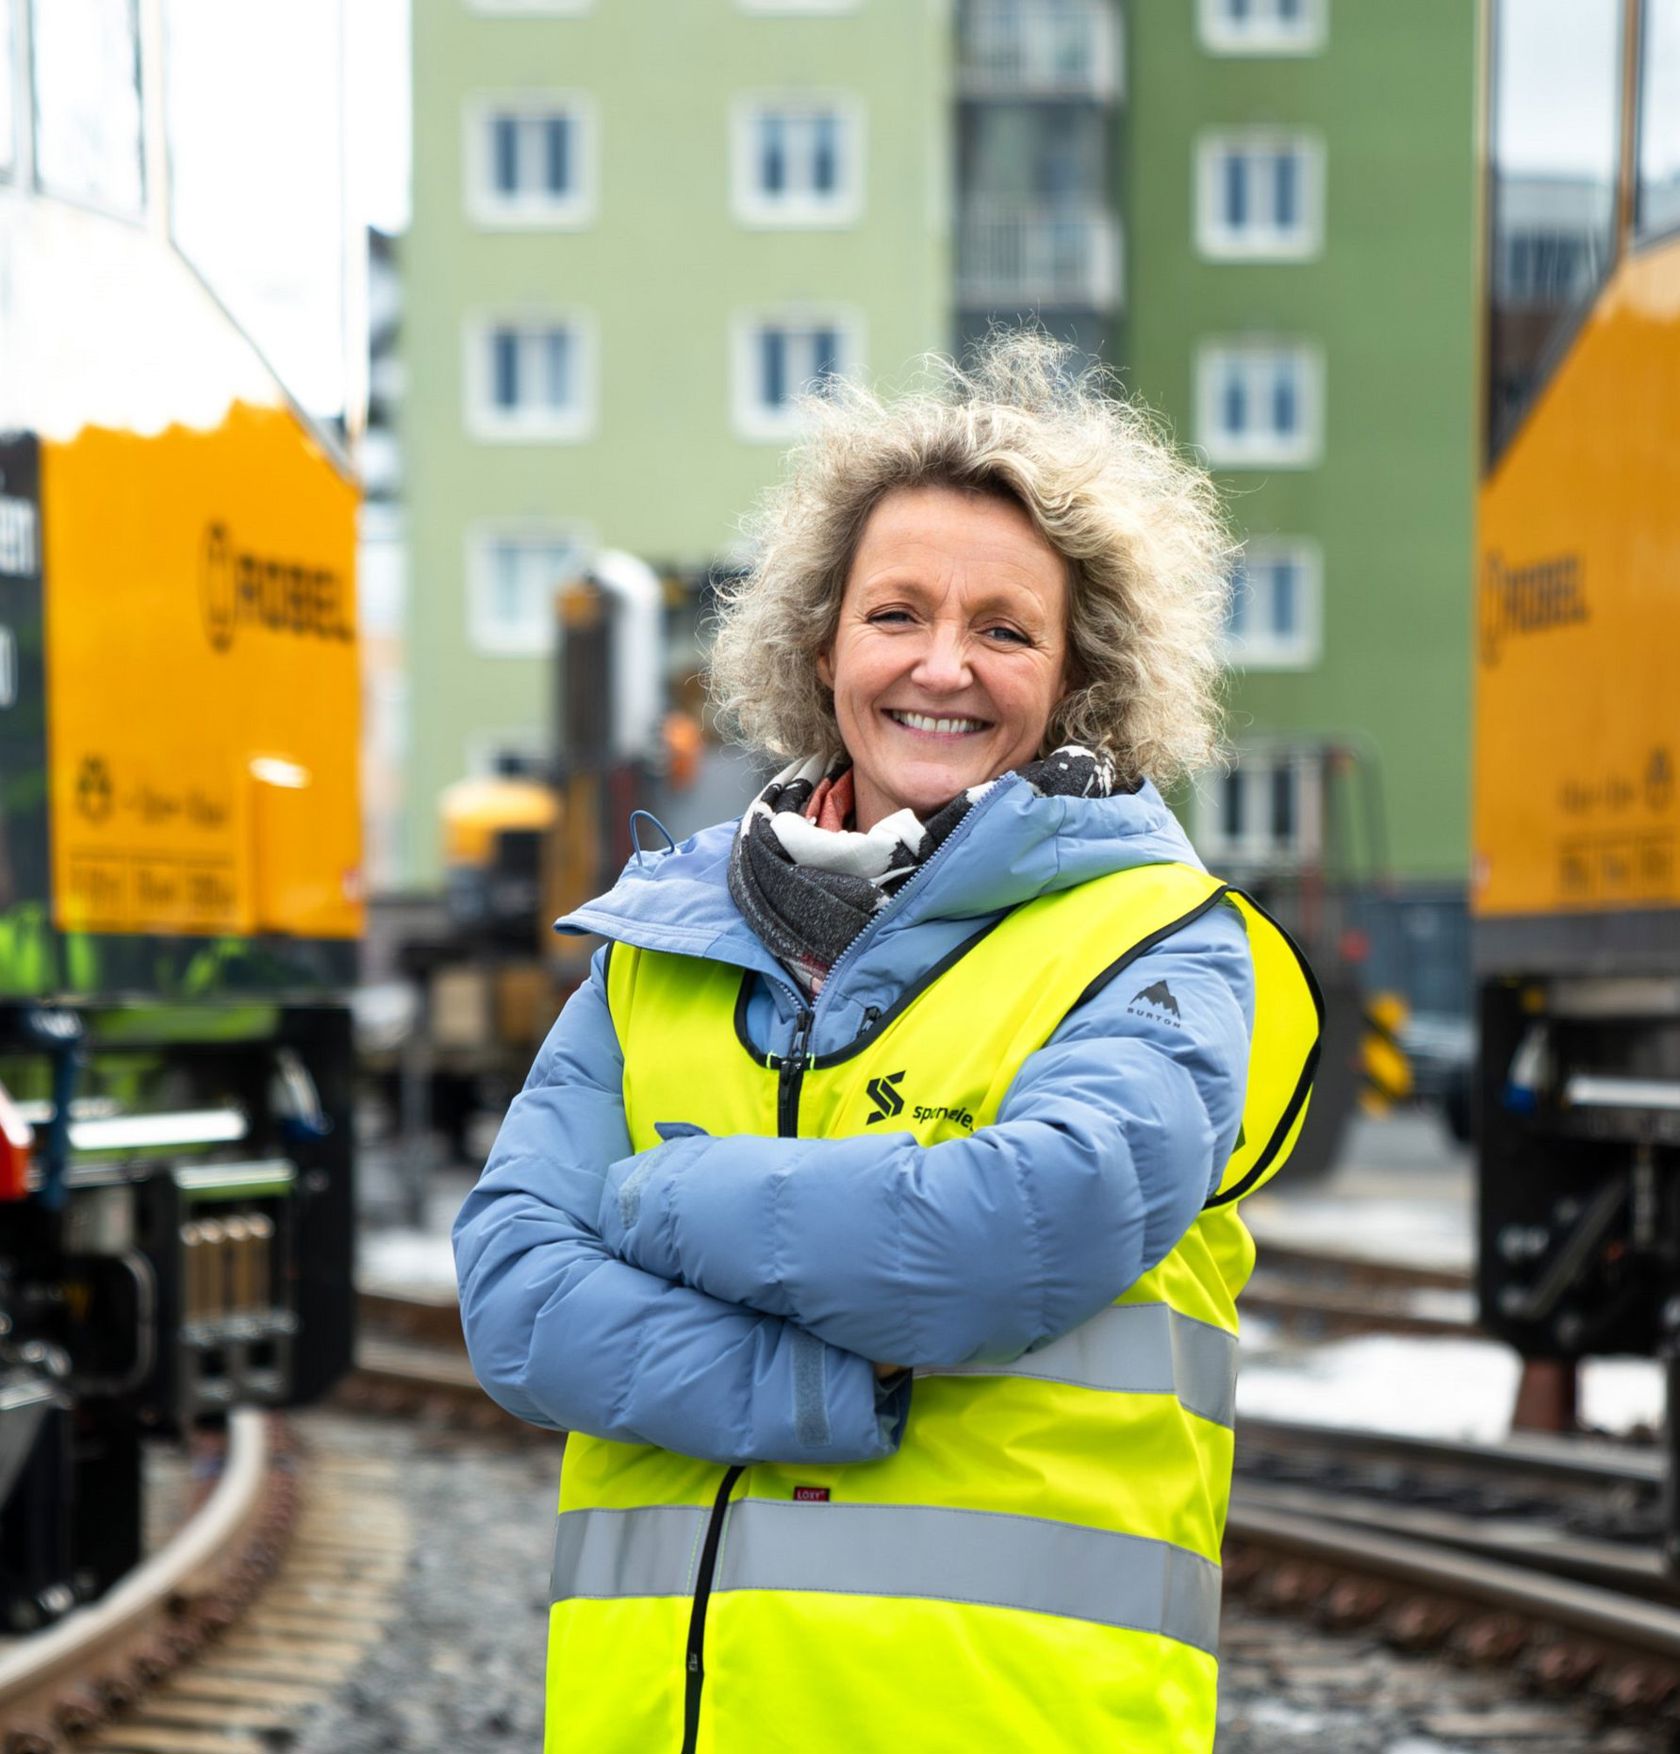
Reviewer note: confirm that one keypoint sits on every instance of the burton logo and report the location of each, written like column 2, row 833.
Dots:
column 1157, row 1001
column 884, row 1095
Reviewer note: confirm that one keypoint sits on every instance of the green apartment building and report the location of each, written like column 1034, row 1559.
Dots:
column 640, row 226
column 1298, row 191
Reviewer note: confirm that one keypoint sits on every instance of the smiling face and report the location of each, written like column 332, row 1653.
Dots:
column 951, row 648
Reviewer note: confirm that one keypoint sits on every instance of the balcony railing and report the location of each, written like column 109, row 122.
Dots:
column 1014, row 258
column 1039, row 48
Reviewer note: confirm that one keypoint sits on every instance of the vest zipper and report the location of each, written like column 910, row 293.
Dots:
column 697, row 1615
column 794, row 1062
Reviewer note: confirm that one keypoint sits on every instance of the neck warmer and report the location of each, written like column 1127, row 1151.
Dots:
column 807, row 882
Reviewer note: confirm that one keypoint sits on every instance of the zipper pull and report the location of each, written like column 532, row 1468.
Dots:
column 793, row 1066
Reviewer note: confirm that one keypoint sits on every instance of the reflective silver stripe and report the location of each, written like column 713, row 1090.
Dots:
column 891, row 1550
column 972, row 1556
column 648, row 1552
column 1140, row 1349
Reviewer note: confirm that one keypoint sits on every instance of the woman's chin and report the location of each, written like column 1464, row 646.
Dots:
column 926, row 787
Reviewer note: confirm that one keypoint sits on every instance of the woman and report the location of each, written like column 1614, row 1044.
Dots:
column 868, row 1217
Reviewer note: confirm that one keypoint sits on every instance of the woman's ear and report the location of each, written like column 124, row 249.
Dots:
column 825, row 670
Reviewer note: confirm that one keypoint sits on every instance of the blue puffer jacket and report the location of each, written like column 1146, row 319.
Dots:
column 665, row 1297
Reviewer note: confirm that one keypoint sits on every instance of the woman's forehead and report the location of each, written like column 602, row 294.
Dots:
column 926, row 535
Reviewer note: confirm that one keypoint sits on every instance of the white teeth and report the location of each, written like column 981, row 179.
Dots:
column 921, row 722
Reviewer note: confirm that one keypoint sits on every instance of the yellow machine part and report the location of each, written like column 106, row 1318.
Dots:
column 1577, row 719
column 475, row 811
column 202, row 681
column 1385, row 1069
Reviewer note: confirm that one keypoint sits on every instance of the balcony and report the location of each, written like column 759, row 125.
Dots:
column 1018, row 258
column 1039, row 49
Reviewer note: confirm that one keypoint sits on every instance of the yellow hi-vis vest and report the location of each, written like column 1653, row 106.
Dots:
column 1037, row 1567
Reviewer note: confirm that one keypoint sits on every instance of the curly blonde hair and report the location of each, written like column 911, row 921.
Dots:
column 1140, row 528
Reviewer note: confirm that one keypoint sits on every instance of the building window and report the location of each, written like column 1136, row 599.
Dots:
column 1264, row 27
column 1259, row 405
column 531, row 160
column 530, row 378
column 86, row 73
column 798, row 162
column 778, row 358
column 1264, row 813
column 1259, row 196
column 1276, row 608
column 513, row 575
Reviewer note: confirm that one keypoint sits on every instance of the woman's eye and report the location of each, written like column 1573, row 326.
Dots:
column 1009, row 635
column 886, row 615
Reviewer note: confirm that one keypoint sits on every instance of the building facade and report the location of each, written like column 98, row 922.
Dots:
column 1299, row 196
column 639, row 229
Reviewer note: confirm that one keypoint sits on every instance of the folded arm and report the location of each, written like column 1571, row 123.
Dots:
column 563, row 1333
column 1107, row 1145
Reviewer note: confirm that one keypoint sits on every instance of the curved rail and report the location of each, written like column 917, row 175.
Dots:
column 44, row 1662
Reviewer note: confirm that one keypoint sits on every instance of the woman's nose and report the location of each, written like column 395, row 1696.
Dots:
column 944, row 660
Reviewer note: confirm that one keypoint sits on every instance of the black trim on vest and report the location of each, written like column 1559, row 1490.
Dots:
column 772, row 1061
column 913, row 992
column 864, row 1037
column 1302, row 1085
column 1121, row 964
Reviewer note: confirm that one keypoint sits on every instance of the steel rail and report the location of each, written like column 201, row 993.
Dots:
column 1578, row 1607
column 1624, row 1568
column 44, row 1659
column 1580, row 1461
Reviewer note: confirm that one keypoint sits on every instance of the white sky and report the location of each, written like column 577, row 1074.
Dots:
column 277, row 161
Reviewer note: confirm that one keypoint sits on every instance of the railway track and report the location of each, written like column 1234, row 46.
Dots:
column 1331, row 1295
column 1536, row 1551
column 247, row 1617
column 1434, row 1544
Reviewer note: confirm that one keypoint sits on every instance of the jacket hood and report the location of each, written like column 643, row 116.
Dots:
column 1013, row 845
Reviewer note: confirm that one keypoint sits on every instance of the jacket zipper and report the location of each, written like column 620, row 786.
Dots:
column 697, row 1615
column 792, row 1075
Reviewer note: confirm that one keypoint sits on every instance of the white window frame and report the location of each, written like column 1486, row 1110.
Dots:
column 535, row 210
column 1258, row 647
column 1261, row 240
column 489, row 424
column 1263, row 448
column 485, row 633
column 1255, row 848
column 796, row 210
column 751, row 418
column 1263, row 32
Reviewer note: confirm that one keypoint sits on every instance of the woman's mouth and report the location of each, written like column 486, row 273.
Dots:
column 938, row 727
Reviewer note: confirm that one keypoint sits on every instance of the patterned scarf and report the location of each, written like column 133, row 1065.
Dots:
column 807, row 883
